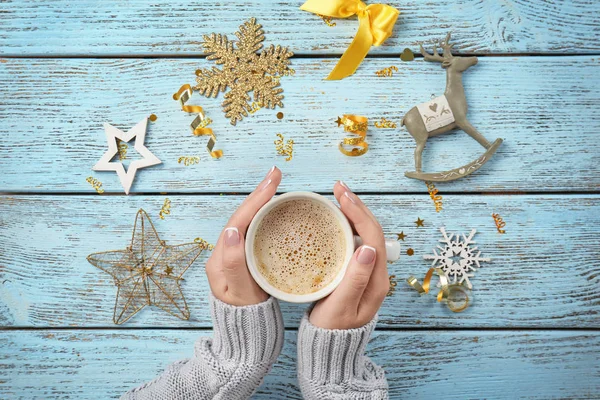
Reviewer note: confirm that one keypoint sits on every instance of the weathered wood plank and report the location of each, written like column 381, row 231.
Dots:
column 545, row 114
column 141, row 27
column 545, row 271
column 466, row 364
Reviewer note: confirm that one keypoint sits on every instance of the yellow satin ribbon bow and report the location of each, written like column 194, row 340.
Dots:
column 375, row 24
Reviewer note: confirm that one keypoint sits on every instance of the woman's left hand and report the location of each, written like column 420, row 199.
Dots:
column 228, row 275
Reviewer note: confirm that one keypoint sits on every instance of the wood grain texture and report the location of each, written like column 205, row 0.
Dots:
column 467, row 364
column 53, row 110
column 142, row 27
column 545, row 270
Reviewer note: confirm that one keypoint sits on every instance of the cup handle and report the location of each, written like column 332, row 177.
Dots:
column 392, row 248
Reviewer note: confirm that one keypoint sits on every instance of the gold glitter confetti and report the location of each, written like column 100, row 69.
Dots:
column 433, row 193
column 254, row 107
column 447, row 292
column 327, row 20
column 401, row 236
column 419, row 222
column 96, row 184
column 385, row 124
column 389, row 71
column 499, row 223
column 122, row 148
column 166, row 209
column 284, row 149
column 188, row 160
column 280, row 115
column 410, row 252
column 204, row 244
column 244, row 70
column 393, row 284
column 407, row 55
column 358, row 126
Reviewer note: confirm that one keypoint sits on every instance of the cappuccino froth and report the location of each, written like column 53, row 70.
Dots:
column 299, row 246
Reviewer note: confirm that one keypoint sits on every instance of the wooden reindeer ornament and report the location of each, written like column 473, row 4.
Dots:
column 444, row 113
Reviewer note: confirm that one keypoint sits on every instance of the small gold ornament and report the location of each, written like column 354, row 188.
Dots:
column 407, row 55
column 401, row 236
column 410, row 252
column 96, row 184
column 243, row 71
column 393, row 284
column 122, row 148
column 499, row 223
column 385, row 124
column 188, row 160
column 204, row 244
column 433, row 193
column 166, row 209
column 419, row 222
column 148, row 272
column 386, row 72
column 284, row 149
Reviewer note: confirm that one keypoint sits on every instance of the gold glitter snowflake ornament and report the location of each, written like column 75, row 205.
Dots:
column 244, row 70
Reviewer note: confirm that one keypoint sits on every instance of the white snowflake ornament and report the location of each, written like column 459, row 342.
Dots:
column 457, row 258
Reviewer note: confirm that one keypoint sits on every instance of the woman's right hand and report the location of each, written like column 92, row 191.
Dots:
column 357, row 299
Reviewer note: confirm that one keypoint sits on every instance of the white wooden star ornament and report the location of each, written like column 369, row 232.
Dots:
column 112, row 134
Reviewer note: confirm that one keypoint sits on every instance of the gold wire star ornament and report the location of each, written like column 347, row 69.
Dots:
column 148, row 272
column 244, row 70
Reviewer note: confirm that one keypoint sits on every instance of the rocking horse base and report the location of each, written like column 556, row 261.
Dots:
column 459, row 172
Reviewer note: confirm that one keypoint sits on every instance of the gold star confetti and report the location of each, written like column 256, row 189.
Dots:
column 139, row 272
column 244, row 70
column 339, row 121
column 419, row 222
column 401, row 236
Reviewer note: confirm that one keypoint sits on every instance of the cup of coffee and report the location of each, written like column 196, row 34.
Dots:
column 299, row 245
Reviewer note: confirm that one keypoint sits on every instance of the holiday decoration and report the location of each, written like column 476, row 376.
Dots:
column 410, row 252
column 401, row 236
column 357, row 126
column 447, row 293
column 254, row 107
column 243, row 70
column 393, row 285
column 407, row 55
column 327, row 20
column 457, row 258
column 148, row 272
column 375, row 24
column 122, row 150
column 188, row 160
column 96, row 184
column 165, row 210
column 284, row 150
column 445, row 113
column 385, row 124
column 204, row 244
column 112, row 134
column 437, row 198
column 279, row 115
column 199, row 124
column 499, row 223
column 419, row 222
column 389, row 71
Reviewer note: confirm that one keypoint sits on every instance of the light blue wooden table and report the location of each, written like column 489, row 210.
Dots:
column 66, row 67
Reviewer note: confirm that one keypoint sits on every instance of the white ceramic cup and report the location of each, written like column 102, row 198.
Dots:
column 352, row 242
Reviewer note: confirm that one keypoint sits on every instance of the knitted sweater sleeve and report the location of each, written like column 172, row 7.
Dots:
column 231, row 365
column 332, row 364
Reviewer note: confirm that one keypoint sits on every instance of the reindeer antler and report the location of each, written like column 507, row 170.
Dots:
column 436, row 56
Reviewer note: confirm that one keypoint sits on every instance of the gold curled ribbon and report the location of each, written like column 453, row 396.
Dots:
column 375, row 24
column 200, row 123
column 437, row 198
column 166, row 209
column 96, row 184
column 284, row 149
column 204, row 244
column 446, row 292
column 356, row 125
column 499, row 223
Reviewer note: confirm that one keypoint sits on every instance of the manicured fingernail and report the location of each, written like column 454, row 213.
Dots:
column 347, row 194
column 344, row 185
column 271, row 171
column 264, row 185
column 232, row 236
column 366, row 255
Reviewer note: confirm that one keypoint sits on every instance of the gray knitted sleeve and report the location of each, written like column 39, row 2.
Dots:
column 231, row 365
column 332, row 364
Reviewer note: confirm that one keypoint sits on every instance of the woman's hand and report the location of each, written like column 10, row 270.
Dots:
column 364, row 287
column 228, row 275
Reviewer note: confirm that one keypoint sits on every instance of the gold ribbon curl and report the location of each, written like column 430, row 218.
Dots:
column 198, row 125
column 166, row 209
column 437, row 198
column 446, row 291
column 284, row 149
column 356, row 125
column 499, row 223
column 96, row 184
column 375, row 24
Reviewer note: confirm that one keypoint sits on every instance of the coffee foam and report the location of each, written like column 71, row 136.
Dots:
column 299, row 246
